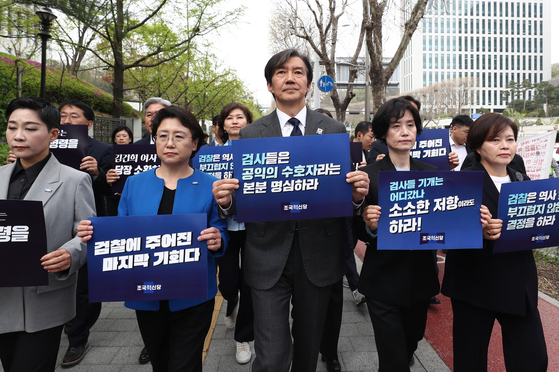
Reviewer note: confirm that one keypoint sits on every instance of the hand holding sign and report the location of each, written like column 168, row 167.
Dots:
column 371, row 215
column 57, row 261
column 491, row 227
column 89, row 164
column 359, row 184
column 223, row 189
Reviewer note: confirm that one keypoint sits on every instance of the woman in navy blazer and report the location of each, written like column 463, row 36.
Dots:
column 174, row 330
column 486, row 286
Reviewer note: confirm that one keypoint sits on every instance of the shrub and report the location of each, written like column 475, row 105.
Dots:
column 541, row 113
column 4, row 149
column 506, row 113
column 60, row 86
column 8, row 91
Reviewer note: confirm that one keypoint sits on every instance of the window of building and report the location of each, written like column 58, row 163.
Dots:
column 535, row 63
column 530, row 10
column 436, row 25
column 436, row 77
column 523, row 45
column 436, row 61
column 436, row 43
column 424, row 78
column 507, row 26
column 489, row 62
column 512, row 44
column 529, row 64
column 477, row 61
column 460, row 61
column 430, row 61
column 489, row 79
column 430, row 25
column 465, row 61
column 500, row 9
column 424, row 22
column 448, row 26
column 495, row 44
column 507, row 9
column 541, row 45
column 454, row 61
column 512, row 9
column 529, row 27
column 517, row 62
column 424, row 43
column 518, row 27
column 471, row 26
column 448, row 61
column 430, row 43
column 477, row 44
column 524, row 62
column 453, row 25
column 448, row 43
column 523, row 10
column 541, row 10
column 501, row 79
column 530, row 46
column 430, row 77
column 512, row 62
column 501, row 62
column 424, row 60
column 500, row 27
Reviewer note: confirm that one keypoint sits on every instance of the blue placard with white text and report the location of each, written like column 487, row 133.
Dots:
column 430, row 210
column 529, row 211
column 144, row 258
column 292, row 178
column 432, row 146
column 216, row 161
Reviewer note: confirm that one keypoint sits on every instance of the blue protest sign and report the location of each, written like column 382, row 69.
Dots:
column 289, row 178
column 142, row 258
column 529, row 211
column 215, row 160
column 130, row 160
column 430, row 210
column 71, row 145
column 23, row 241
column 325, row 83
column 432, row 146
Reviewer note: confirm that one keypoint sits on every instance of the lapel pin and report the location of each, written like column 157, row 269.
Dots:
column 48, row 190
column 194, row 183
column 319, row 131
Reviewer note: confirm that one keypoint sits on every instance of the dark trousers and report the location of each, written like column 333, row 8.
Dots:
column 350, row 243
column 175, row 339
column 30, row 352
column 523, row 339
column 87, row 312
column 329, row 342
column 397, row 332
column 231, row 280
column 275, row 351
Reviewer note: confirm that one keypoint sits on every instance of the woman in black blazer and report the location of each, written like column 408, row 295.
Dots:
column 485, row 286
column 398, row 284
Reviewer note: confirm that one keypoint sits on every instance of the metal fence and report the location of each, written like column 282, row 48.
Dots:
column 104, row 127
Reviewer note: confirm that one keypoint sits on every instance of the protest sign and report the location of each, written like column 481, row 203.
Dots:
column 288, row 178
column 429, row 210
column 141, row 258
column 432, row 147
column 215, row 160
column 130, row 160
column 23, row 241
column 537, row 151
column 529, row 211
column 356, row 153
column 71, row 145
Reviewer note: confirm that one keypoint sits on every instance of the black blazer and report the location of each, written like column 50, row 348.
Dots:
column 377, row 147
column 103, row 153
column 517, row 163
column 144, row 141
column 503, row 282
column 399, row 278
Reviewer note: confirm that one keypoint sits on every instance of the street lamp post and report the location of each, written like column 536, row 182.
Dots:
column 47, row 17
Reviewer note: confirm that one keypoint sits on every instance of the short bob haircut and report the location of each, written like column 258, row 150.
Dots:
column 279, row 59
column 86, row 109
column 187, row 119
column 225, row 113
column 47, row 112
column 390, row 112
column 122, row 128
column 487, row 127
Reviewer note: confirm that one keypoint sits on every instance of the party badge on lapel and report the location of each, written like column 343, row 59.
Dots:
column 48, row 190
column 319, row 131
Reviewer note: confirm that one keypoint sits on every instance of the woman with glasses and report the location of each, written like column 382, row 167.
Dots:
column 486, row 286
column 174, row 330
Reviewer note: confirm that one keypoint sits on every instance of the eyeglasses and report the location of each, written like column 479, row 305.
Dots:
column 163, row 138
column 465, row 131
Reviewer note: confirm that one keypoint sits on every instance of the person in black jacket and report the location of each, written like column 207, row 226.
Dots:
column 486, row 286
column 398, row 284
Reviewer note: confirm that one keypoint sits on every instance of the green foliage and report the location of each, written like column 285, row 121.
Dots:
column 546, row 257
column 541, row 113
column 59, row 85
column 539, row 122
column 523, row 112
column 506, row 113
column 555, row 70
column 4, row 150
column 8, row 91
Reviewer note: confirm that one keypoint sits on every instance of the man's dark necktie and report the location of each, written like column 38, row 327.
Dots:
column 296, row 130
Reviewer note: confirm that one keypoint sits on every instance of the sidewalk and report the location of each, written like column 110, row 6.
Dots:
column 115, row 342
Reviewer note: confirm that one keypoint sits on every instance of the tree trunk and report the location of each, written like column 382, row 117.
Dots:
column 118, row 68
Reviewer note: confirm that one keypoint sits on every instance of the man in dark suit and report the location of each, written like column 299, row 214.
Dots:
column 97, row 163
column 364, row 134
column 291, row 261
column 151, row 108
column 459, row 128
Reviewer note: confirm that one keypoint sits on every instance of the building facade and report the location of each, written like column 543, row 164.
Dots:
column 487, row 44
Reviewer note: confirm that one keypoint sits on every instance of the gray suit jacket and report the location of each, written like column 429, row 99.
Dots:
column 32, row 309
column 268, row 243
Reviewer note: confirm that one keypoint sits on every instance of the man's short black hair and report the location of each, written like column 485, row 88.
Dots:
column 324, row 112
column 363, row 127
column 279, row 60
column 461, row 120
column 47, row 112
column 86, row 109
column 391, row 111
column 412, row 99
